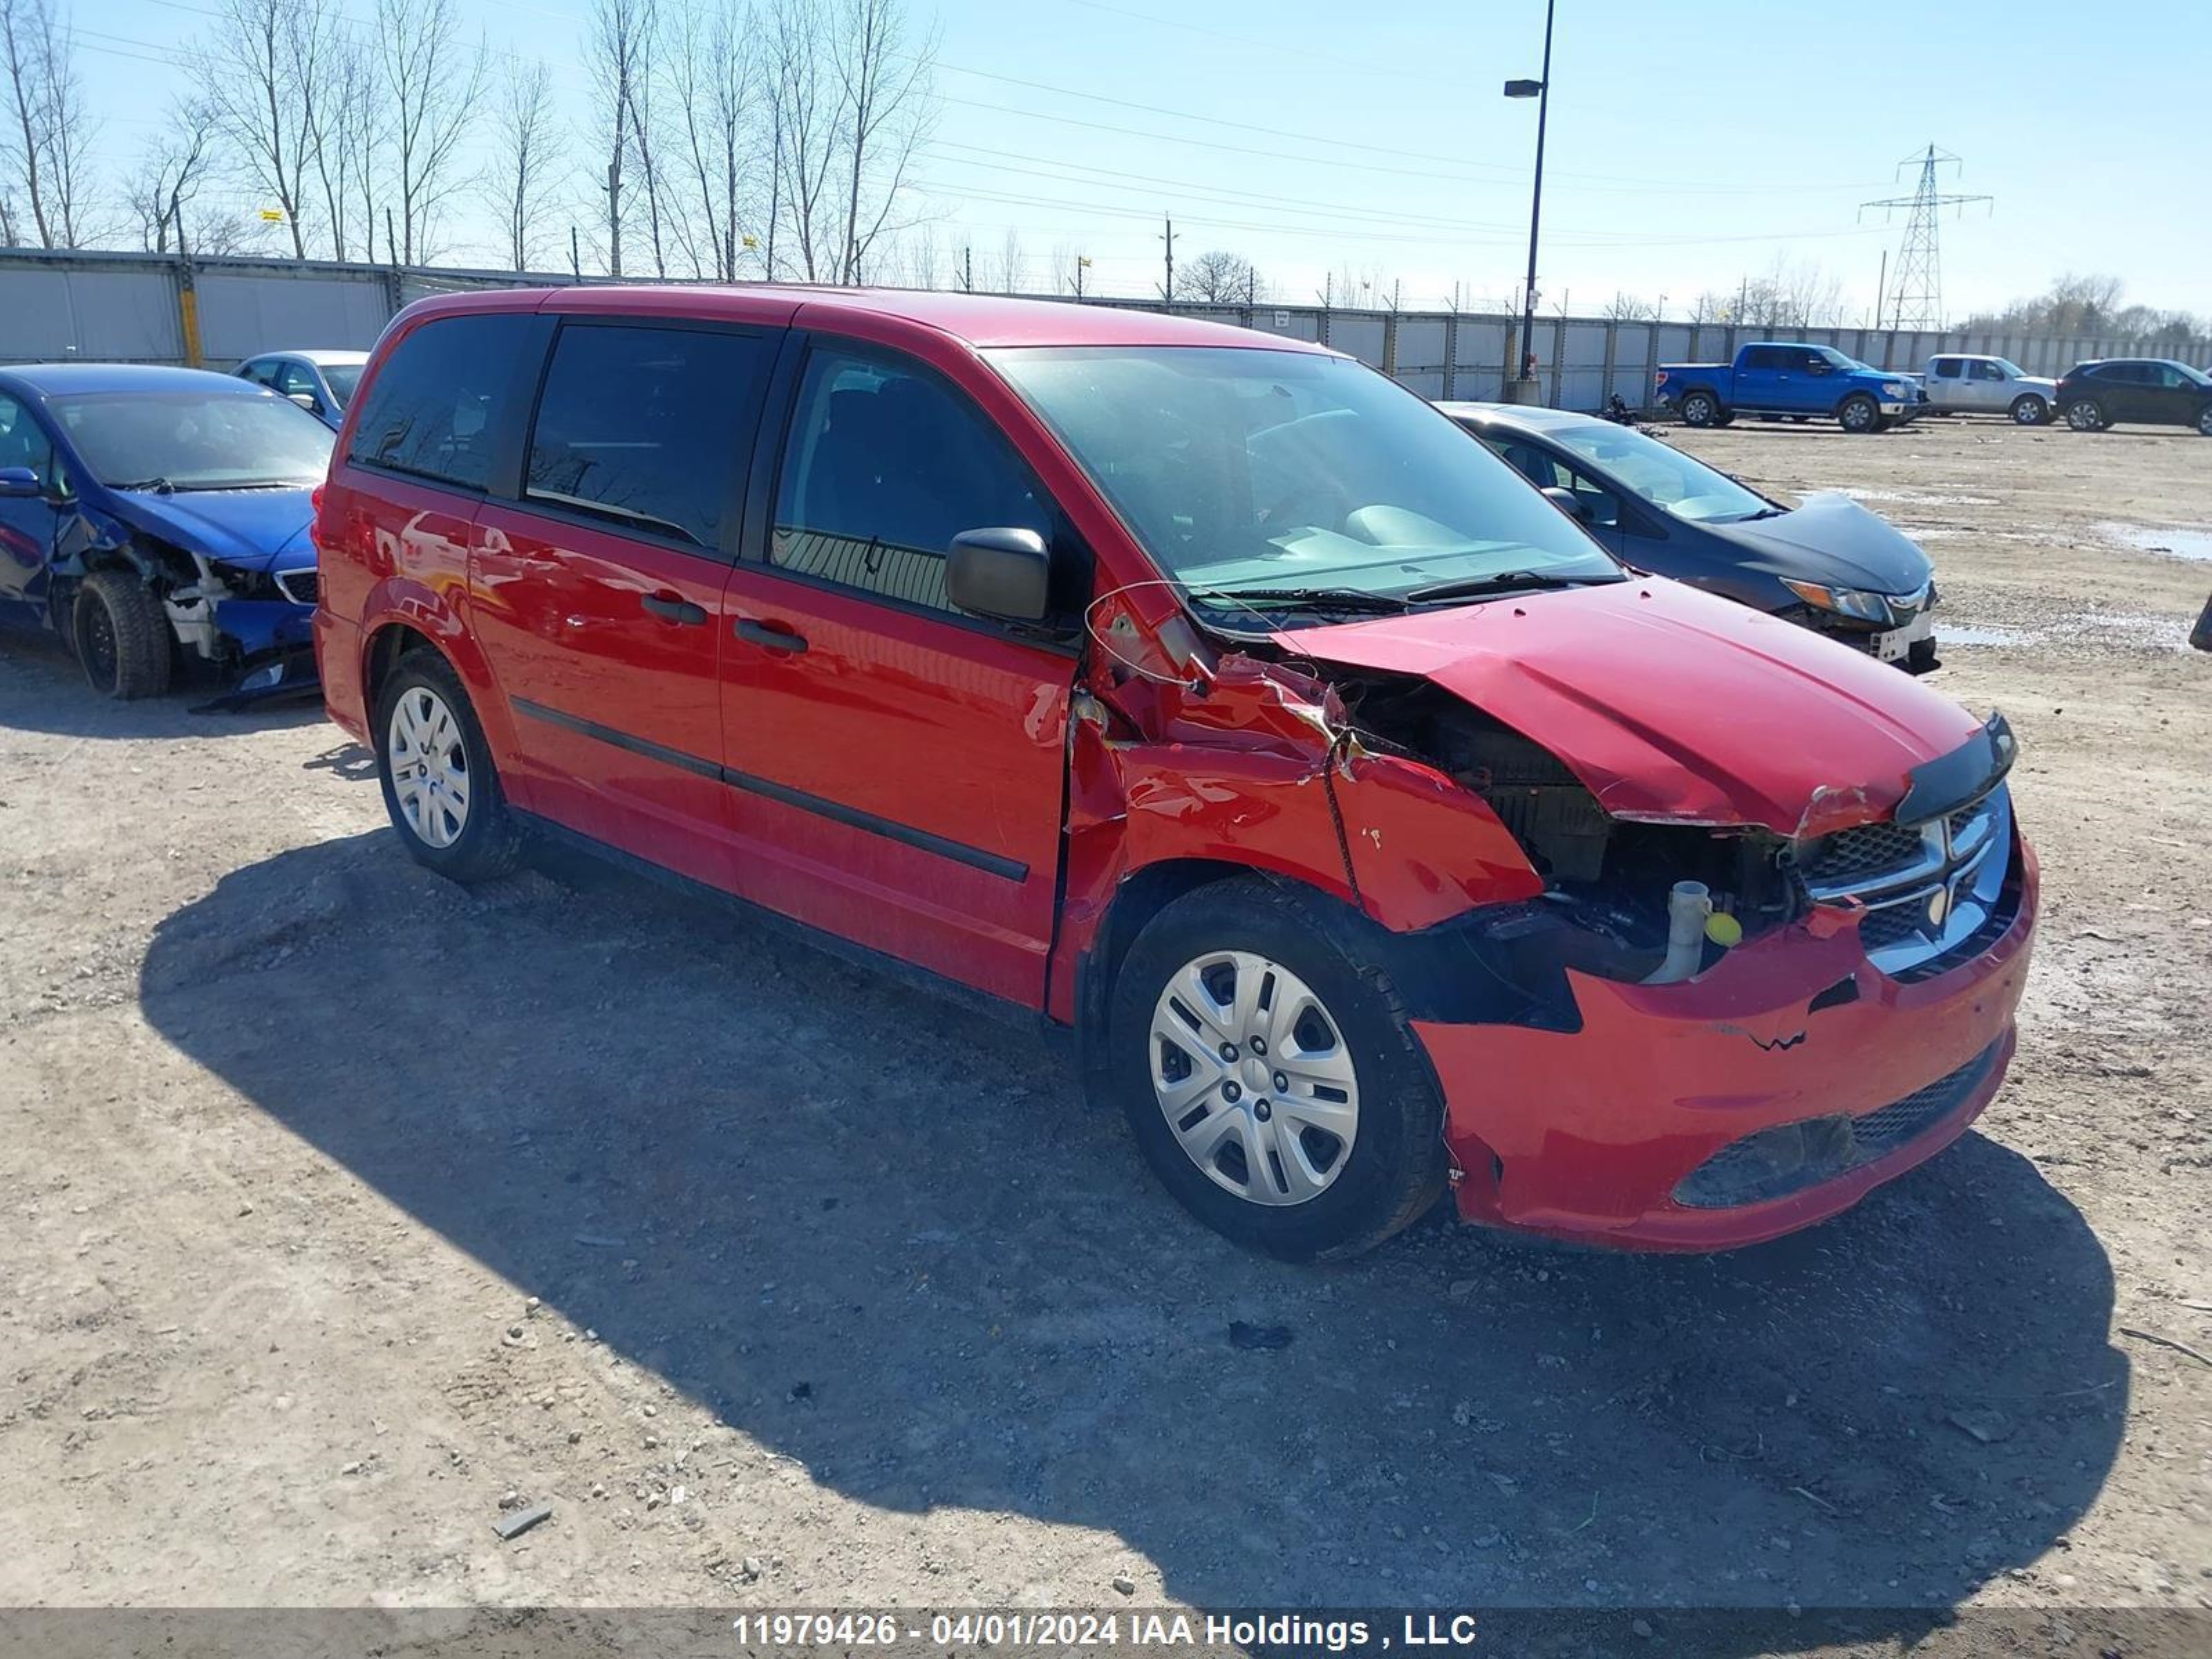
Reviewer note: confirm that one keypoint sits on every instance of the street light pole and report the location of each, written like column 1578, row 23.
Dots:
column 1522, row 388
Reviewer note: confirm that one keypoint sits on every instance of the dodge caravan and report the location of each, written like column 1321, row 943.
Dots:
column 1373, row 832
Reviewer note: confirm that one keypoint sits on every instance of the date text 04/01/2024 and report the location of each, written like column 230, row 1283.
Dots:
column 1022, row 1628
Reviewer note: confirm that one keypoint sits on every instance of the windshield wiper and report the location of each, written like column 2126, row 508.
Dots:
column 158, row 486
column 1312, row 599
column 1503, row 582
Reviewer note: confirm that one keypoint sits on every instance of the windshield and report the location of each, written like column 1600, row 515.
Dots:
column 342, row 378
column 1662, row 474
column 195, row 440
column 1261, row 473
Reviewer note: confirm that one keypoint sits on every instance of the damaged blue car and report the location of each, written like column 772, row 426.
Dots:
column 157, row 518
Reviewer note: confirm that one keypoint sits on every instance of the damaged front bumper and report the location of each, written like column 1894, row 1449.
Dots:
column 1765, row 1095
column 264, row 647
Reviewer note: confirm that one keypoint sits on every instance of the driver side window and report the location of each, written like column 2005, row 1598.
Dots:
column 884, row 465
column 23, row 442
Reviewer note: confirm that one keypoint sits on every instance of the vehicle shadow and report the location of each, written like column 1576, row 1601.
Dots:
column 887, row 1240
column 43, row 690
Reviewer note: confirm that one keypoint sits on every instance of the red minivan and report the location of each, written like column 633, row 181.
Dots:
column 1203, row 694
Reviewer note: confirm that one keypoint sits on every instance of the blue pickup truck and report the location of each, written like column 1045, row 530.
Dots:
column 1779, row 378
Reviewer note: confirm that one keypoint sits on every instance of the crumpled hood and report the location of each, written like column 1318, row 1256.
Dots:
column 1831, row 538
column 1670, row 704
column 253, row 529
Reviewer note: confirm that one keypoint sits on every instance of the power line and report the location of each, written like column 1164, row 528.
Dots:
column 1917, row 299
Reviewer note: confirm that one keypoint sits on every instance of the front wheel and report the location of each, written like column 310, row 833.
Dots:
column 440, row 785
column 1859, row 413
column 2028, row 410
column 1270, row 1075
column 122, row 636
column 2086, row 415
column 1700, row 409
column 2204, row 420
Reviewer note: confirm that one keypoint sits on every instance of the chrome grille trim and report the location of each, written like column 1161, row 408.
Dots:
column 1926, row 890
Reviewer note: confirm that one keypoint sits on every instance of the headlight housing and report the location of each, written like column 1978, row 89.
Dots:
column 1892, row 388
column 1844, row 601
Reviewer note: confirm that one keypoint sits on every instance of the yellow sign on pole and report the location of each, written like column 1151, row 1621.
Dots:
column 273, row 215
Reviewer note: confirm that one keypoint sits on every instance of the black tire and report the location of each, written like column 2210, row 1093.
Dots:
column 2086, row 415
column 1726, row 417
column 488, row 843
column 2028, row 410
column 2204, row 420
column 1395, row 1167
column 121, row 636
column 1700, row 409
column 1859, row 413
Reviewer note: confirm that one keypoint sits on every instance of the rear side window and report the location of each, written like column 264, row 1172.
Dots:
column 884, row 466
column 1765, row 357
column 1947, row 368
column 434, row 407
column 646, row 426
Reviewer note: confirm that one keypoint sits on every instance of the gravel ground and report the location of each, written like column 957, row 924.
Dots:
column 346, row 1211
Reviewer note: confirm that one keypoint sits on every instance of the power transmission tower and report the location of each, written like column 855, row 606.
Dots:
column 1916, row 301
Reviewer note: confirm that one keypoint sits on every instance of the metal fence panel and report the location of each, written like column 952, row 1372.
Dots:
column 1482, row 344
column 50, row 313
column 241, row 314
column 1359, row 334
column 1420, row 343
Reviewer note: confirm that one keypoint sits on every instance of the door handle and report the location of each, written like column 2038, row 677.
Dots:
column 768, row 636
column 670, row 608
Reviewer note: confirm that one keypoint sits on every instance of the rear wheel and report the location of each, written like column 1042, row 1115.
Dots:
column 1700, row 409
column 440, row 785
column 1859, row 413
column 1270, row 1076
column 2204, row 420
column 2028, row 410
column 122, row 636
column 2086, row 415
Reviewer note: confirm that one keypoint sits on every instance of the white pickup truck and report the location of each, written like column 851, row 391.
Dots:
column 1988, row 385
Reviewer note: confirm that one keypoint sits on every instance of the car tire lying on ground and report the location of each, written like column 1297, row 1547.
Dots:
column 439, row 785
column 121, row 636
column 2028, row 410
column 2086, row 415
column 1270, row 1074
column 1859, row 413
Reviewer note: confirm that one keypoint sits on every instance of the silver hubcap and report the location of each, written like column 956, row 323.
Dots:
column 2028, row 413
column 1255, row 1079
column 2082, row 416
column 1698, row 412
column 429, row 767
column 1857, row 416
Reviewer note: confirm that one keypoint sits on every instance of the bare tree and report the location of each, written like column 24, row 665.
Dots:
column 347, row 116
column 527, row 156
column 1011, row 275
column 714, row 78
column 620, row 53
column 432, row 85
column 1217, row 278
column 1625, row 308
column 172, row 169
column 804, row 142
column 884, row 115
column 261, row 75
column 51, row 130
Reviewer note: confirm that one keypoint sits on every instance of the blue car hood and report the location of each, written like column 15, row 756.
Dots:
column 1831, row 538
column 252, row 528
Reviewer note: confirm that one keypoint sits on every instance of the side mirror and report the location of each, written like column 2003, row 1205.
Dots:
column 19, row 483
column 1003, row 573
column 1567, row 502
column 307, row 400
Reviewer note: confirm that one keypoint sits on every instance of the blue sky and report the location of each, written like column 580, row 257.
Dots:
column 1691, row 143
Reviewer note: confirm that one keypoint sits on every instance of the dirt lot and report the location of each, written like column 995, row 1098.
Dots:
column 341, row 1206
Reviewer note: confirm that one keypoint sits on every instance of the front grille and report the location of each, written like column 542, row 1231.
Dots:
column 1927, row 888
column 1871, row 849
column 301, row 586
column 1790, row 1158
